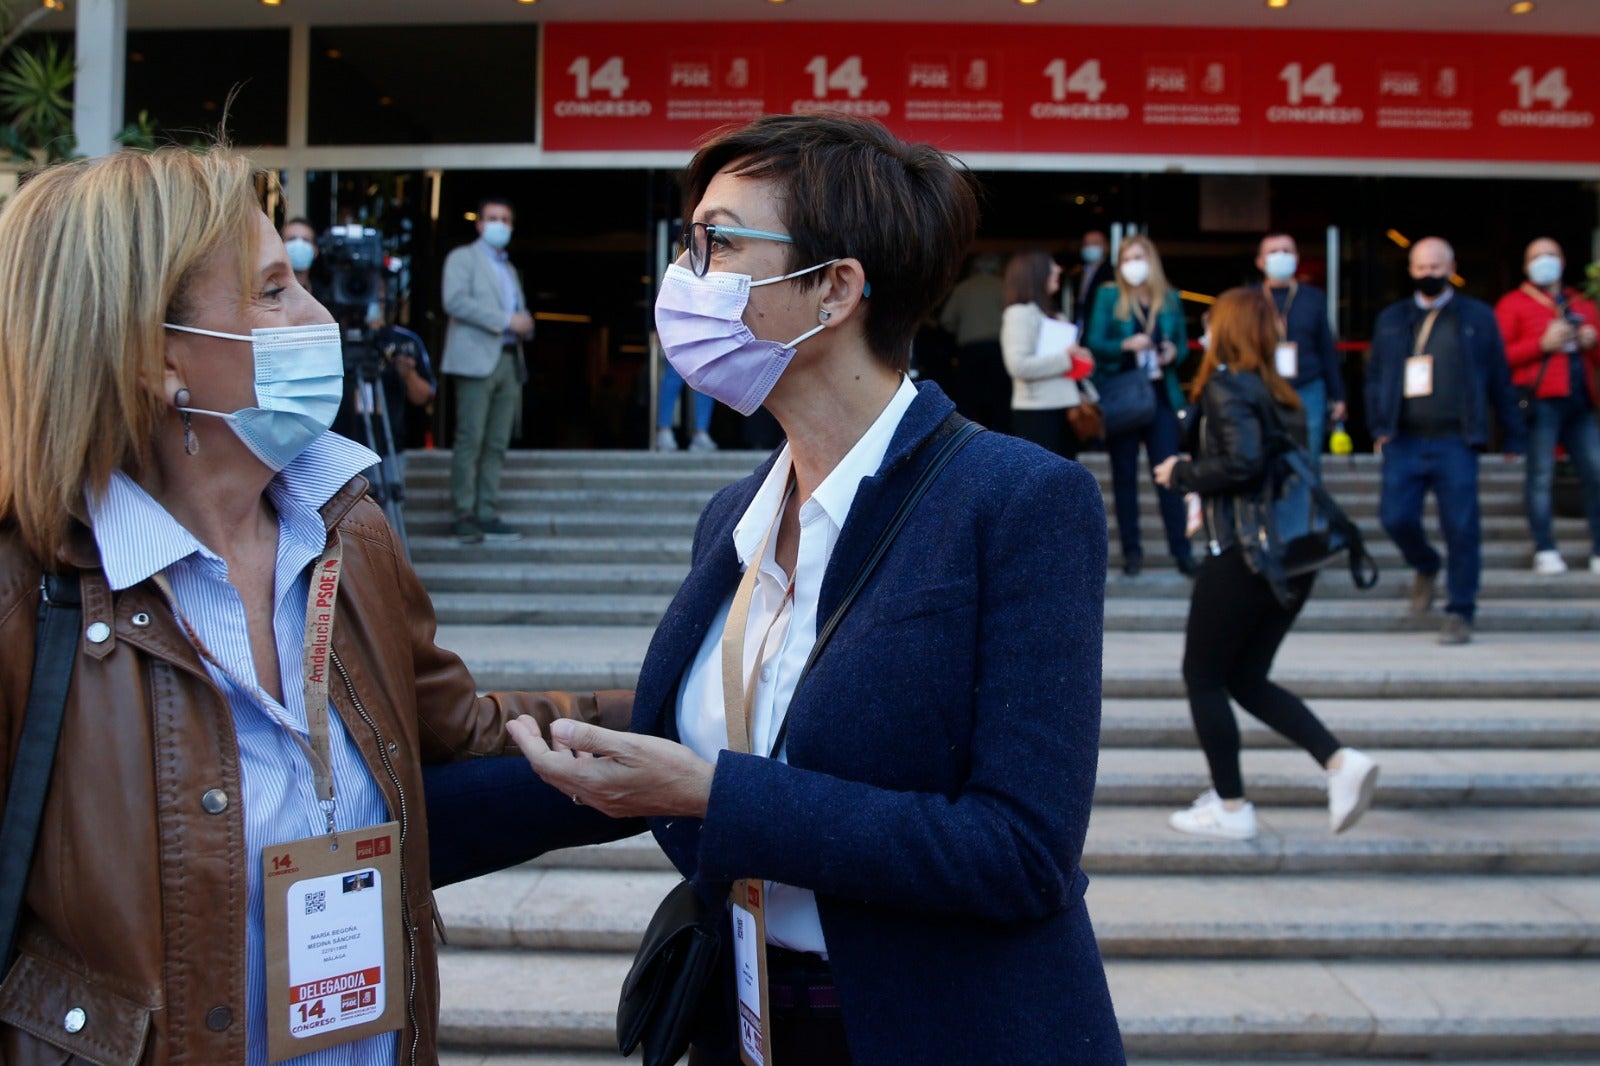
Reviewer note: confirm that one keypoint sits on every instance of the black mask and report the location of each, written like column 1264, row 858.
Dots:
column 1432, row 285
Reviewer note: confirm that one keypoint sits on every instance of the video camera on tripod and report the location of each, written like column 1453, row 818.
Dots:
column 354, row 266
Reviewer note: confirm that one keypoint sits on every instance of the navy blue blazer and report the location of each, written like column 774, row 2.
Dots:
column 1486, row 376
column 942, row 755
column 1318, row 352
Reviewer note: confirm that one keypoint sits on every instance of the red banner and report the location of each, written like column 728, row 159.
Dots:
column 1162, row 91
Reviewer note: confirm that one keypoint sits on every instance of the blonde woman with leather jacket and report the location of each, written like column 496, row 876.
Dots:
column 165, row 389
column 1236, row 623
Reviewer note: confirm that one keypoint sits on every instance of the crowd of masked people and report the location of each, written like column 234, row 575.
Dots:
column 1443, row 370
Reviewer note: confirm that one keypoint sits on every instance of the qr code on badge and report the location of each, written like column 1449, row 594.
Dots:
column 316, row 902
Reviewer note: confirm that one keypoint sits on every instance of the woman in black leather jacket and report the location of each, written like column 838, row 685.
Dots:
column 1235, row 621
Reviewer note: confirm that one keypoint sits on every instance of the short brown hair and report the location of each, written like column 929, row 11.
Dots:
column 854, row 190
column 94, row 256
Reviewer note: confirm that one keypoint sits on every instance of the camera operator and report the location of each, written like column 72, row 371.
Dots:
column 386, row 367
column 405, row 374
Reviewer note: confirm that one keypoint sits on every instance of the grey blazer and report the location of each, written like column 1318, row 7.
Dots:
column 477, row 313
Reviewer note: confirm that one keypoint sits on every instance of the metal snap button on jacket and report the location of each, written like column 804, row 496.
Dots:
column 141, row 619
column 218, row 1019
column 214, row 801
column 75, row 1020
column 98, row 632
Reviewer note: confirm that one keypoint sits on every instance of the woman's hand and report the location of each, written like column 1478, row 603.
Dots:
column 637, row 776
column 1169, row 352
column 1137, row 343
column 1162, row 473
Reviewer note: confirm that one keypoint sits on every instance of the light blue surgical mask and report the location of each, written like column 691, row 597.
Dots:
column 1092, row 253
column 1280, row 266
column 497, row 234
column 301, row 253
column 299, row 381
column 1544, row 270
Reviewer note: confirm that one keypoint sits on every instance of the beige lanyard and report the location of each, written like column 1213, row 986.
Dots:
column 738, row 689
column 318, row 645
column 1421, row 344
column 1283, row 316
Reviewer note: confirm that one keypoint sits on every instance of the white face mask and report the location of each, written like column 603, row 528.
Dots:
column 1545, row 270
column 1280, row 266
column 1135, row 271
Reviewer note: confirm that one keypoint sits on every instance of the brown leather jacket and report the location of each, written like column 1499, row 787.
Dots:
column 135, row 910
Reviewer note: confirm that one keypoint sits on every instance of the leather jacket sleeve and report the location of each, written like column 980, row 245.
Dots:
column 454, row 721
column 1232, row 441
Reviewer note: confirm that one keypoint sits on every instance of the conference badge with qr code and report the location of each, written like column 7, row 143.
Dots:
column 335, row 960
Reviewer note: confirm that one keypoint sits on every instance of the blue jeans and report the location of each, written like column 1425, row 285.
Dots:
column 1572, row 422
column 1413, row 466
column 1160, row 440
column 667, row 408
column 1314, row 398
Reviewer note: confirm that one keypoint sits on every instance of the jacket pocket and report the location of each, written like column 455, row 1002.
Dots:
column 68, row 1010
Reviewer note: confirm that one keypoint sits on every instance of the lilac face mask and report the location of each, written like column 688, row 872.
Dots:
column 701, row 323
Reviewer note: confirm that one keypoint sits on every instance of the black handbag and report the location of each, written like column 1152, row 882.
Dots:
column 55, row 644
column 1127, row 402
column 1294, row 526
column 667, row 986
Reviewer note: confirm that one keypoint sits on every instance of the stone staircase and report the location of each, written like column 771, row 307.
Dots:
column 1459, row 922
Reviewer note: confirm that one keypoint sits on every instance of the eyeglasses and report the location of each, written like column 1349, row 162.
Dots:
column 698, row 237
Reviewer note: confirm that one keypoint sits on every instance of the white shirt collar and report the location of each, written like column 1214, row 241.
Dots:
column 138, row 538
column 838, row 490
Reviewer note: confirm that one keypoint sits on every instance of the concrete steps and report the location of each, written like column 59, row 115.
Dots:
column 494, row 998
column 1459, row 922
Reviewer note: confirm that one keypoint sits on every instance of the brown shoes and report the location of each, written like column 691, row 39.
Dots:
column 1457, row 630
column 1422, row 587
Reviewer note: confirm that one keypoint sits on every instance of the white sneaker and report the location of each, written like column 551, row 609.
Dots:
column 665, row 441
column 1549, row 563
column 1350, row 789
column 702, row 442
column 1594, row 564
column 1208, row 817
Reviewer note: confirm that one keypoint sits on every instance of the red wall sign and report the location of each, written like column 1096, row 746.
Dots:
column 1084, row 89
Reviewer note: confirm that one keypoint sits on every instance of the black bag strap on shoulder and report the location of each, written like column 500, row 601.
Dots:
column 55, row 644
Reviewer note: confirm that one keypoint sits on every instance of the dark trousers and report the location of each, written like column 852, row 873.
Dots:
column 802, row 1035
column 1235, row 628
column 1446, row 466
column 1160, row 440
column 1571, row 422
column 1048, row 429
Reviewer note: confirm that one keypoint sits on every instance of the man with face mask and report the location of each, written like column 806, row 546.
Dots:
column 489, row 321
column 1550, row 336
column 1436, row 366
column 1305, row 356
column 1093, row 271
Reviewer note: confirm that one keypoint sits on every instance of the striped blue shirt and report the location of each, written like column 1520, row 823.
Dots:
column 138, row 539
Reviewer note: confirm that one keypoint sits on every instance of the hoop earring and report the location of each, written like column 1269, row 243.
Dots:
column 191, row 443
column 824, row 315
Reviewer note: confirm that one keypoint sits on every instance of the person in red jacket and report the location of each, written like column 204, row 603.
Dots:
column 1551, row 336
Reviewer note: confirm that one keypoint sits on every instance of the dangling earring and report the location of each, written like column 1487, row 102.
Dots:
column 824, row 315
column 191, row 443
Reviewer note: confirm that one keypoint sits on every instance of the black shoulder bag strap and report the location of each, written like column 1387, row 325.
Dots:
column 952, row 444
column 55, row 644
column 1285, row 449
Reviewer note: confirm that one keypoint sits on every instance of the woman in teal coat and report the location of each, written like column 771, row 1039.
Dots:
column 1137, row 325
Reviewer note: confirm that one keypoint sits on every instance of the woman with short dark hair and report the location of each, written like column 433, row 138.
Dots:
column 915, row 799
